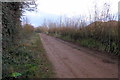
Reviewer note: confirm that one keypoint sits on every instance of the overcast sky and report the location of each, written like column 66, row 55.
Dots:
column 52, row 9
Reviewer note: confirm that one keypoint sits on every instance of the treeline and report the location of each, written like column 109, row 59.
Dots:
column 11, row 23
column 23, row 55
column 101, row 33
column 102, row 36
column 12, row 34
column 11, row 13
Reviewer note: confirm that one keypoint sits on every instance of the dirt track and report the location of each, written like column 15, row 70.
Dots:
column 72, row 62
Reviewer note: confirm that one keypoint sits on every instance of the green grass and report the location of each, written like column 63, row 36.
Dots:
column 27, row 59
column 92, row 44
column 67, row 38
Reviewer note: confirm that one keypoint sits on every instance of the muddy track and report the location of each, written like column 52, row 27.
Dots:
column 70, row 61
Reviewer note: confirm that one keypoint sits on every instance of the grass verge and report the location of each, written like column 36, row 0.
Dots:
column 91, row 43
column 27, row 60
